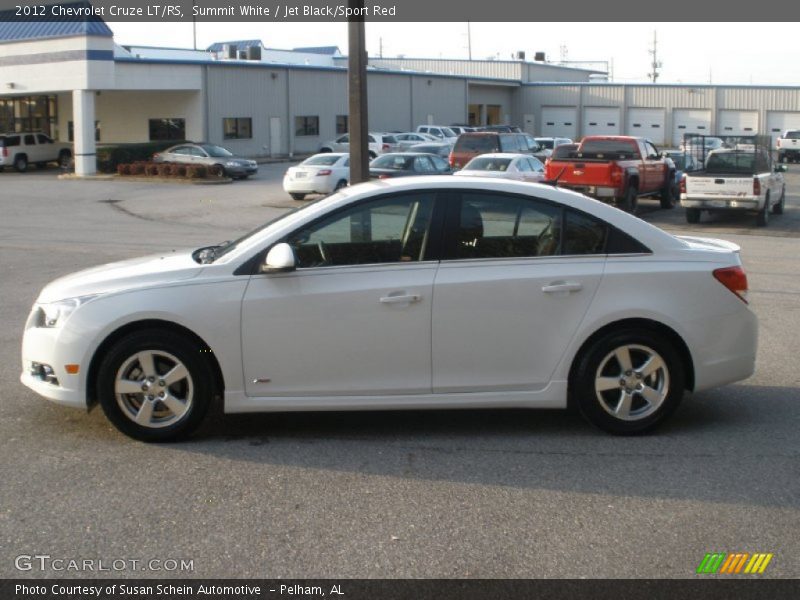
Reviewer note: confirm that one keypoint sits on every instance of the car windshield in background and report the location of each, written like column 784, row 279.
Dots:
column 793, row 135
column 679, row 160
column 546, row 143
column 216, row 151
column 389, row 161
column 483, row 163
column 732, row 162
column 476, row 143
column 448, row 132
column 322, row 159
column 619, row 149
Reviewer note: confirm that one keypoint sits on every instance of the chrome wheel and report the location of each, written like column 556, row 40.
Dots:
column 632, row 382
column 154, row 389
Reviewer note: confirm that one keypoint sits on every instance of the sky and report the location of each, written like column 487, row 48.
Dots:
column 720, row 53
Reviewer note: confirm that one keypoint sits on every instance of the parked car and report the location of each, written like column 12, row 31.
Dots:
column 406, row 140
column 735, row 180
column 459, row 129
column 21, row 149
column 438, row 131
column 699, row 146
column 684, row 163
column 618, row 169
column 219, row 160
column 378, row 143
column 475, row 143
column 551, row 143
column 501, row 128
column 401, row 294
column 323, row 173
column 442, row 149
column 406, row 164
column 788, row 146
column 520, row 167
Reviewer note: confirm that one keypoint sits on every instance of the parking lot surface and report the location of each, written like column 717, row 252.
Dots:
column 415, row 494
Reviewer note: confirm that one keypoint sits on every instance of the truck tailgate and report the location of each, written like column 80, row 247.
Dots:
column 714, row 186
column 581, row 173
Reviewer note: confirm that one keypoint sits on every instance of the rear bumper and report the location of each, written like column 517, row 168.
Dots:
column 601, row 192
column 725, row 350
column 722, row 203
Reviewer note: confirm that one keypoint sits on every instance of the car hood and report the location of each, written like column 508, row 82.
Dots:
column 125, row 275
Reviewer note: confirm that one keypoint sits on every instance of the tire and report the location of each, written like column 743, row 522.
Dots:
column 692, row 215
column 297, row 196
column 668, row 196
column 762, row 218
column 217, row 170
column 781, row 158
column 372, row 155
column 190, row 394
column 631, row 200
column 21, row 163
column 325, row 150
column 64, row 158
column 628, row 401
column 341, row 184
column 777, row 209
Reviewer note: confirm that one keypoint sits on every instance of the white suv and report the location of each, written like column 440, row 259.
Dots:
column 21, row 149
column 379, row 143
column 440, row 131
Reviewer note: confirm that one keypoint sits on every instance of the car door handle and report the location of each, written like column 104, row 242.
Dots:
column 562, row 286
column 401, row 299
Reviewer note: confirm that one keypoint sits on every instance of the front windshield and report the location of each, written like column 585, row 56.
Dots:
column 216, row 151
column 448, row 132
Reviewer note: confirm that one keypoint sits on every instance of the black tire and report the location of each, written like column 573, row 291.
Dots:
column 777, row 209
column 217, row 170
column 200, row 385
column 631, row 200
column 597, row 406
column 325, row 150
column 64, row 158
column 297, row 196
column 341, row 184
column 668, row 195
column 692, row 215
column 21, row 163
column 372, row 155
column 762, row 217
column 781, row 158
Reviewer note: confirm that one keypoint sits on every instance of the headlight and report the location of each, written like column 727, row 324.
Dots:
column 54, row 314
column 232, row 163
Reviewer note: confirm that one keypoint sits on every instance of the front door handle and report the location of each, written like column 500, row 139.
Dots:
column 562, row 286
column 401, row 299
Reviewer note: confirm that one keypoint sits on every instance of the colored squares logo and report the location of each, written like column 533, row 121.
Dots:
column 734, row 563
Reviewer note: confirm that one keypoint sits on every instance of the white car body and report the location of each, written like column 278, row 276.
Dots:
column 504, row 165
column 29, row 148
column 375, row 141
column 462, row 333
column 406, row 140
column 441, row 132
column 318, row 174
column 788, row 145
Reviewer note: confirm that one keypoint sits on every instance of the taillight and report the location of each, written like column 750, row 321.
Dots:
column 156, row 155
column 385, row 147
column 682, row 184
column 324, row 172
column 735, row 279
column 383, row 176
column 451, row 159
column 756, row 187
column 616, row 173
column 5, row 152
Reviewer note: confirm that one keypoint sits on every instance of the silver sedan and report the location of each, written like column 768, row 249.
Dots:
column 219, row 160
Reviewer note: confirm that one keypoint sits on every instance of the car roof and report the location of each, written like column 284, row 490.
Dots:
column 504, row 155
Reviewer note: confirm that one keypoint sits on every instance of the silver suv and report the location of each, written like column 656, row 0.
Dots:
column 21, row 149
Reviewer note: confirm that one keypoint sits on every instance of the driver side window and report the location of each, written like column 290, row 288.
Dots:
column 387, row 230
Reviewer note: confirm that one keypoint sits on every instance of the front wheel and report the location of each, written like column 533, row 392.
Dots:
column 762, row 218
column 628, row 381
column 777, row 209
column 64, row 159
column 155, row 386
column 297, row 196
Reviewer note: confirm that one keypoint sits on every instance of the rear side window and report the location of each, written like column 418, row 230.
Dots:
column 583, row 234
column 43, row 139
column 480, row 144
column 510, row 143
column 793, row 135
column 29, row 140
column 10, row 141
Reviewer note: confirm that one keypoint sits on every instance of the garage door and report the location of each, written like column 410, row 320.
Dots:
column 559, row 121
column 689, row 120
column 737, row 122
column 647, row 123
column 601, row 121
column 778, row 122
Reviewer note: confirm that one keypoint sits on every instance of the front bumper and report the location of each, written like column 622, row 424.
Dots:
column 241, row 171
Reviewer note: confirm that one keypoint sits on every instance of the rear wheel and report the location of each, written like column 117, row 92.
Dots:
column 297, row 196
column 692, row 215
column 762, row 218
column 630, row 201
column 342, row 183
column 155, row 386
column 21, row 163
column 628, row 381
column 777, row 209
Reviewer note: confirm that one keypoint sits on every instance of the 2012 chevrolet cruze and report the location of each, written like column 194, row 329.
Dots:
column 416, row 293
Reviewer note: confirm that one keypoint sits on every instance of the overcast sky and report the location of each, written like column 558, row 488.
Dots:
column 740, row 53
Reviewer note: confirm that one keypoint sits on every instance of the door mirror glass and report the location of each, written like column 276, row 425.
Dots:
column 280, row 259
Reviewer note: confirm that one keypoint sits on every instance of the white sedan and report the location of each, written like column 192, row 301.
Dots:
column 319, row 174
column 415, row 293
column 521, row 167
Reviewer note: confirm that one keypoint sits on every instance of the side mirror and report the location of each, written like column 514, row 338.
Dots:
column 280, row 259
column 781, row 168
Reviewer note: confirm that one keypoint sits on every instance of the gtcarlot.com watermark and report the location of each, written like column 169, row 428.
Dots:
column 59, row 564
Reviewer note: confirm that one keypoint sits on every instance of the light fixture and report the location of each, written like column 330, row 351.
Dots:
column 10, row 85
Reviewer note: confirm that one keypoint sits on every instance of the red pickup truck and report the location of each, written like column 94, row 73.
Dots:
column 616, row 168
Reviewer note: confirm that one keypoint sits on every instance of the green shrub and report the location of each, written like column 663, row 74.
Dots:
column 108, row 157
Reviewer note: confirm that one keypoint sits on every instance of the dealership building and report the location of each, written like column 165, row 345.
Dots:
column 71, row 80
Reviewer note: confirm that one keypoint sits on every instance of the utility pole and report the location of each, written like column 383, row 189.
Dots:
column 194, row 27
column 469, row 40
column 656, row 64
column 357, row 94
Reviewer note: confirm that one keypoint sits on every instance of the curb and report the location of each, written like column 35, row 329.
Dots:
column 134, row 178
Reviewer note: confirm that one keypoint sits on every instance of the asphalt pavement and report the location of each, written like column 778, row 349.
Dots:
column 479, row 494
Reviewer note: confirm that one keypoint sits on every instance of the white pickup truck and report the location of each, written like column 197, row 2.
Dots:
column 788, row 146
column 739, row 178
column 21, row 149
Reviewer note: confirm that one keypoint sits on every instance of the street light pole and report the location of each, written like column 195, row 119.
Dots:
column 357, row 95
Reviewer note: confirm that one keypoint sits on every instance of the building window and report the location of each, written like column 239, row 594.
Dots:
column 341, row 124
column 71, row 131
column 237, row 128
column 29, row 113
column 306, row 126
column 167, row 129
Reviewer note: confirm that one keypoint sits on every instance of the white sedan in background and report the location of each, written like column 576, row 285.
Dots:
column 413, row 293
column 521, row 167
column 319, row 174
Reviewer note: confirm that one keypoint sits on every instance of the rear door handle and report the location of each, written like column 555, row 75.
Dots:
column 562, row 286
column 401, row 299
